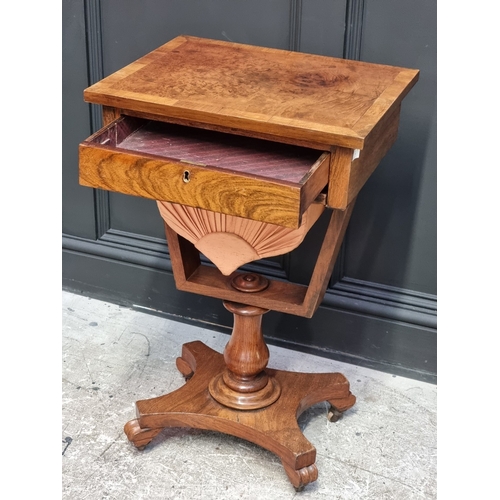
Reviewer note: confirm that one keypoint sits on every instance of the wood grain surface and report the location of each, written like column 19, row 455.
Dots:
column 255, row 89
column 238, row 176
column 284, row 97
column 274, row 427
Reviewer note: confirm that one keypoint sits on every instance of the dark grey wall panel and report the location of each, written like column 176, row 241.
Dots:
column 132, row 29
column 135, row 215
column 322, row 27
column 77, row 202
column 392, row 237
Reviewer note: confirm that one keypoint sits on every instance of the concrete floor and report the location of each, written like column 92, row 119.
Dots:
column 383, row 448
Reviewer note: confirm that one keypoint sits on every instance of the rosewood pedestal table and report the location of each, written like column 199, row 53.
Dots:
column 244, row 148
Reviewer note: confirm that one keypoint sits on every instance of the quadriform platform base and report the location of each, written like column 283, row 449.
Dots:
column 273, row 427
column 244, row 148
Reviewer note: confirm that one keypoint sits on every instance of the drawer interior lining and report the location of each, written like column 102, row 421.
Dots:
column 231, row 152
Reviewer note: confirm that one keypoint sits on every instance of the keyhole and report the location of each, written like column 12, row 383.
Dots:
column 186, row 176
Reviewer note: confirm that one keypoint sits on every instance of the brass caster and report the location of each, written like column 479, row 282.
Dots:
column 184, row 368
column 334, row 415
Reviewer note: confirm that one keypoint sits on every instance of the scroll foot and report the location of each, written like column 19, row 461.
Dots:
column 139, row 437
column 301, row 477
column 184, row 367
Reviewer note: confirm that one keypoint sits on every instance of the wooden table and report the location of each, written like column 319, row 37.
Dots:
column 243, row 148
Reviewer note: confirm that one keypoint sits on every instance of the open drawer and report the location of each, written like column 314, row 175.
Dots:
column 242, row 176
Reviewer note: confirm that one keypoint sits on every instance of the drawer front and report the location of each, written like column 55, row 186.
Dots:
column 139, row 173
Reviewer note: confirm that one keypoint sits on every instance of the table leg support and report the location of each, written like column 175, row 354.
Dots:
column 273, row 427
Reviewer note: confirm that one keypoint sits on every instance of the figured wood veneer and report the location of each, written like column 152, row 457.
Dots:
column 238, row 176
column 348, row 175
column 279, row 93
column 319, row 102
column 274, row 427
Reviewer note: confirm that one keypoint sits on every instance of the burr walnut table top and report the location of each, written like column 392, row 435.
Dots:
column 269, row 93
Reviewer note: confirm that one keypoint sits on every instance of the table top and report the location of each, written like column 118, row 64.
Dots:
column 256, row 90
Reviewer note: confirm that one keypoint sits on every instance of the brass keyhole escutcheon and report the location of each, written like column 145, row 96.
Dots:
column 186, row 176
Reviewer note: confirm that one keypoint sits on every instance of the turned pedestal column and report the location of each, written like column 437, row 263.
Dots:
column 244, row 384
column 237, row 394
